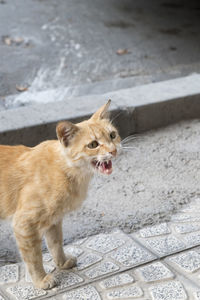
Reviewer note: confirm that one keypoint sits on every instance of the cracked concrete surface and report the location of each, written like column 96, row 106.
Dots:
column 73, row 44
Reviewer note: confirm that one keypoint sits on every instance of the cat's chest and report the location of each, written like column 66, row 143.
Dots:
column 76, row 192
column 79, row 189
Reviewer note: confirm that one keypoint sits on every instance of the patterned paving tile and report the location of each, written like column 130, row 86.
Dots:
column 66, row 279
column 155, row 272
column 154, row 230
column 84, row 293
column 185, row 217
column 104, row 243
column 88, row 260
column 192, row 239
column 75, row 251
column 172, row 290
column 131, row 255
column 103, row 268
column 116, row 281
column 186, row 228
column 188, row 261
column 22, row 292
column 9, row 274
column 125, row 293
column 165, row 245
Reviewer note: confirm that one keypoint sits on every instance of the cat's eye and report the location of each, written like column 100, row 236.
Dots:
column 93, row 144
column 113, row 135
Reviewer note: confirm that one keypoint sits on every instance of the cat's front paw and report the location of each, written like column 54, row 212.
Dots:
column 48, row 282
column 71, row 261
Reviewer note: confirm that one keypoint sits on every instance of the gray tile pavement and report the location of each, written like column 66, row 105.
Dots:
column 155, row 263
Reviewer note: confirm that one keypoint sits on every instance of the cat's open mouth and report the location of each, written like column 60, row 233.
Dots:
column 104, row 167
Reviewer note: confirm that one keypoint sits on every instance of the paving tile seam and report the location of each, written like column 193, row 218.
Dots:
column 111, row 254
column 125, row 269
column 93, row 282
column 4, row 295
column 143, row 244
column 177, row 252
column 137, row 241
column 178, row 274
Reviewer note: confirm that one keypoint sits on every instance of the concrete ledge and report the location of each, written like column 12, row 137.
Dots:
column 141, row 108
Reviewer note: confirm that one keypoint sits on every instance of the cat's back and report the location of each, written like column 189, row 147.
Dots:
column 10, row 177
column 11, row 153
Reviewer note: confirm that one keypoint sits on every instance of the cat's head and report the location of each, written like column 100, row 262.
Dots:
column 91, row 144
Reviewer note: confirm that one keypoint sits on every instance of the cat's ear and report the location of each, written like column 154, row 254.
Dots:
column 65, row 132
column 102, row 112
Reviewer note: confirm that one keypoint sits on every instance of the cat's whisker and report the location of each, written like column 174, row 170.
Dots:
column 116, row 116
column 129, row 138
column 129, row 148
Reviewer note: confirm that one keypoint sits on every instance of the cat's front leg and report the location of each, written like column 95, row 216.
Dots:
column 29, row 243
column 54, row 239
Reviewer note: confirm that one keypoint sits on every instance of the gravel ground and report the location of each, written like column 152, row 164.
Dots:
column 149, row 183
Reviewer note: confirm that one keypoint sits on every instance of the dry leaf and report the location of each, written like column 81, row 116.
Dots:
column 7, row 40
column 122, row 51
column 18, row 40
column 21, row 88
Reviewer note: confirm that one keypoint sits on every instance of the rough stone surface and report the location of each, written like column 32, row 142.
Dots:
column 192, row 239
column 165, row 245
column 117, row 280
column 189, row 261
column 132, row 254
column 185, row 218
column 103, row 268
column 66, row 279
column 87, row 292
column 125, row 293
column 25, row 292
column 155, row 230
column 104, row 243
column 155, row 272
column 87, row 260
column 169, row 291
column 73, row 250
column 9, row 274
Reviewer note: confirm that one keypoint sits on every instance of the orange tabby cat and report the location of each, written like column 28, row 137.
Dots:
column 39, row 185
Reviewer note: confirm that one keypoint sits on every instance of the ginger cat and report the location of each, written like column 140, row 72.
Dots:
column 39, row 185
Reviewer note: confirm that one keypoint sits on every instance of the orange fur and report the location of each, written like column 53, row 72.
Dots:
column 39, row 185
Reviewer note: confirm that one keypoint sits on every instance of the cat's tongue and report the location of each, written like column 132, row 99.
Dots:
column 106, row 167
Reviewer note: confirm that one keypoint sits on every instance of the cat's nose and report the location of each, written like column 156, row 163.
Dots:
column 114, row 152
